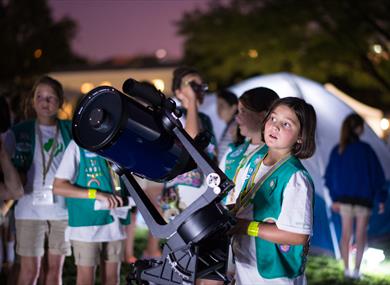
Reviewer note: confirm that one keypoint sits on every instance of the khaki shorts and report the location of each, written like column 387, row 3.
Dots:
column 89, row 253
column 354, row 210
column 31, row 235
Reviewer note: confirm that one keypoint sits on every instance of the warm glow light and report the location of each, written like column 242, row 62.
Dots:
column 377, row 48
column 65, row 113
column 161, row 53
column 38, row 53
column 252, row 53
column 159, row 84
column 385, row 124
column 105, row 83
column 86, row 87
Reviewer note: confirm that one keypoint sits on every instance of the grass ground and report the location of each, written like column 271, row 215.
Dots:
column 320, row 270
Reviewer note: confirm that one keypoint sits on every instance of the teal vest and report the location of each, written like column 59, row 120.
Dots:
column 275, row 260
column 25, row 142
column 93, row 173
column 234, row 158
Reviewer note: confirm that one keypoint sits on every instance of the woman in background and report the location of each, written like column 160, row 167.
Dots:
column 354, row 177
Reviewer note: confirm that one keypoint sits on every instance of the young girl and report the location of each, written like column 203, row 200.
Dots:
column 227, row 109
column 354, row 177
column 97, row 236
column 275, row 208
column 37, row 147
column 189, row 90
column 252, row 108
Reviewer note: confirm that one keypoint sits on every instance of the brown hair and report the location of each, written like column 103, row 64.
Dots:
column 258, row 99
column 348, row 130
column 179, row 73
column 53, row 83
column 307, row 120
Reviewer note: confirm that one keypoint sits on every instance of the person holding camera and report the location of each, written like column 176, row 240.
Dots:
column 94, row 198
column 189, row 90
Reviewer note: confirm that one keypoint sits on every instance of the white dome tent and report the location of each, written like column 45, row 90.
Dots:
column 331, row 111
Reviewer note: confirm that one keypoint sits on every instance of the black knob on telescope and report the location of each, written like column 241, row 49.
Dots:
column 145, row 92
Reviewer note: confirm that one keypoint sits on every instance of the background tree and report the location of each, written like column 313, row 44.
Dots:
column 345, row 42
column 32, row 44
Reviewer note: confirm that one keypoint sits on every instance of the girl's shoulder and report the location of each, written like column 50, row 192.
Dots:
column 298, row 170
column 23, row 125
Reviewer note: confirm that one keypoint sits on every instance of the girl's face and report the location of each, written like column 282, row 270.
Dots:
column 249, row 121
column 282, row 129
column 224, row 110
column 45, row 101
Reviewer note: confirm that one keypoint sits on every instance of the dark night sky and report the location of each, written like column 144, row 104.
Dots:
column 124, row 28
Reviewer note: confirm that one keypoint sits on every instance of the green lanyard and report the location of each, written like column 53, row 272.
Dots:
column 252, row 188
column 46, row 166
column 246, row 158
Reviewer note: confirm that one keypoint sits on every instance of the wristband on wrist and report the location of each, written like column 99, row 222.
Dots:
column 91, row 193
column 253, row 229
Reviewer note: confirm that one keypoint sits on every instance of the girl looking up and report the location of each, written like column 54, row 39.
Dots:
column 274, row 210
column 252, row 108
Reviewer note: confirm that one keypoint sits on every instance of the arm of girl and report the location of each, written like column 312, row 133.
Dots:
column 269, row 232
column 63, row 187
column 12, row 187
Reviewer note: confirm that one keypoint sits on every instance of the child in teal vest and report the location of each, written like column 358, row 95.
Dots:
column 84, row 177
column 252, row 108
column 37, row 147
column 275, row 208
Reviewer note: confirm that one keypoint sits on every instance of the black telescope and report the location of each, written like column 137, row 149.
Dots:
column 140, row 133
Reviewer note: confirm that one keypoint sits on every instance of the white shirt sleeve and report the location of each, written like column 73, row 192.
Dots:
column 297, row 214
column 68, row 168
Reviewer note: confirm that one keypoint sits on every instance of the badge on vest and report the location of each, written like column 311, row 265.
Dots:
column 44, row 196
column 89, row 154
column 284, row 247
column 272, row 186
column 236, row 152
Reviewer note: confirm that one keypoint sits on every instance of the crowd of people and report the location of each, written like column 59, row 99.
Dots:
column 70, row 201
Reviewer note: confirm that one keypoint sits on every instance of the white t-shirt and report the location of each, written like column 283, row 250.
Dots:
column 68, row 170
column 25, row 210
column 296, row 216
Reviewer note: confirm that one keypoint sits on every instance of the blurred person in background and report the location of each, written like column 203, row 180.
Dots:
column 37, row 147
column 11, row 188
column 227, row 108
column 355, row 179
column 189, row 90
